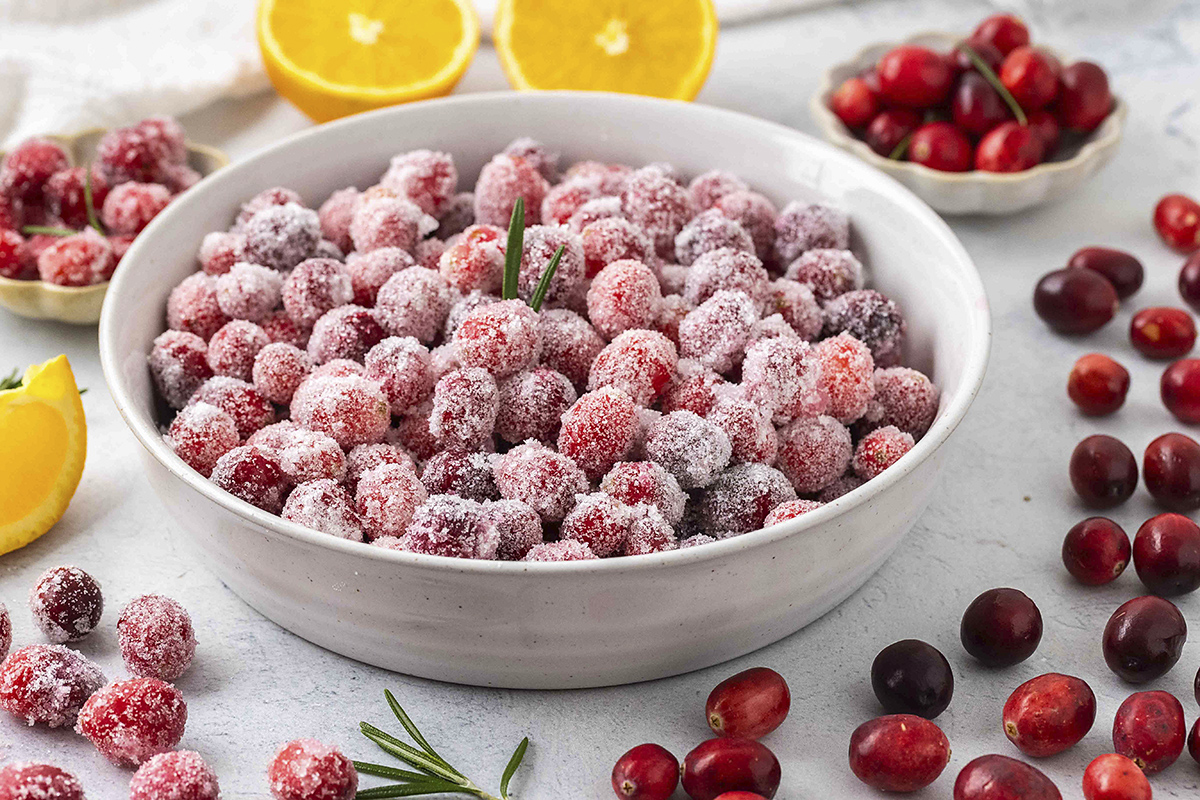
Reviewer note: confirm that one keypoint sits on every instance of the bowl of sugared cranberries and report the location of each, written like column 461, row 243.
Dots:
column 705, row 428
column 71, row 204
column 988, row 123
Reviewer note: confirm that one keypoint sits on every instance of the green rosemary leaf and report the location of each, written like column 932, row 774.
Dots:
column 12, row 381
column 539, row 294
column 411, row 727
column 408, row 790
column 407, row 753
column 901, row 149
column 995, row 81
column 46, row 230
column 382, row 771
column 89, row 203
column 511, row 769
column 513, row 250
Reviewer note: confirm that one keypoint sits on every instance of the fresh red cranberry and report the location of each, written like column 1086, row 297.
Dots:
column 1123, row 271
column 890, row 128
column 898, row 753
column 977, row 107
column 740, row 796
column 1002, row 778
column 1149, row 729
column 1046, row 126
column 1180, row 389
column 1144, row 638
column 983, row 48
column 1075, row 300
column 1166, row 555
column 941, row 146
column 1049, row 714
column 1001, row 627
column 1103, row 471
column 1162, row 332
column 1031, row 77
column 1097, row 384
column 1171, row 467
column 647, row 772
column 1084, row 98
column 1189, row 282
column 66, row 604
column 726, row 765
column 1177, row 220
column 1005, row 32
column 1193, row 742
column 1114, row 777
column 748, row 705
column 912, row 677
column 854, row 103
column 1096, row 551
column 1009, row 147
column 913, row 76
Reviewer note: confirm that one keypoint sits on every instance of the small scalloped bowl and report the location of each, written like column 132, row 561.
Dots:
column 973, row 192
column 80, row 305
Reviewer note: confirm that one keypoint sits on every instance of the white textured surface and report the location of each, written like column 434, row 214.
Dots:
column 254, row 686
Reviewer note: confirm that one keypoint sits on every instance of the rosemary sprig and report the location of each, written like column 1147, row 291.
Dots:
column 539, row 294
column 12, row 381
column 901, row 150
column 513, row 250
column 994, row 80
column 89, row 203
column 434, row 775
column 46, row 230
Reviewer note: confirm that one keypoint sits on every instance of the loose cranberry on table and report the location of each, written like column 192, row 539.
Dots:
column 890, row 128
column 1009, row 147
column 1049, row 714
column 1084, row 98
column 1171, row 468
column 647, row 772
column 1166, row 555
column 1005, row 32
column 1103, row 471
column 1097, row 384
column 1115, row 777
column 1031, row 77
column 1144, row 638
column 913, row 76
column 725, row 765
column 855, row 103
column 748, row 705
column 66, row 603
column 1149, row 729
column 28, row 781
column 306, row 769
column 1177, row 220
column 898, row 753
column 1075, row 300
column 1001, row 627
column 1162, row 332
column 1193, row 741
column 1096, row 551
column 941, row 146
column 912, row 677
column 995, row 777
column 1180, row 389
column 1122, row 269
column 1189, row 281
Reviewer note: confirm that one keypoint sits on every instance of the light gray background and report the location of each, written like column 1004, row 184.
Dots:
column 998, row 520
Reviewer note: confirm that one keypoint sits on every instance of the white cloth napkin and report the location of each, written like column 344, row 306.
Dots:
column 72, row 64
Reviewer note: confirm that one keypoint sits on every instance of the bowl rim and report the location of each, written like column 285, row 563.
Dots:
column 1103, row 136
column 955, row 408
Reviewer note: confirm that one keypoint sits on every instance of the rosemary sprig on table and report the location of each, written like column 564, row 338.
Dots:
column 433, row 775
column 513, row 251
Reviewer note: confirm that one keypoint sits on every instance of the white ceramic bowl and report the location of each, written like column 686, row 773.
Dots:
column 974, row 192
column 546, row 625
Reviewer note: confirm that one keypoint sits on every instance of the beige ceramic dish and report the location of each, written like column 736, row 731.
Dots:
column 80, row 305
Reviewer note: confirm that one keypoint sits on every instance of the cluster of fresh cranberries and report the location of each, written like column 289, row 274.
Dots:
column 699, row 364
column 994, row 103
column 734, row 765
column 71, row 225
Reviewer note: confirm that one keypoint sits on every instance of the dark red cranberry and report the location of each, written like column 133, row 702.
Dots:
column 1162, row 332
column 1049, row 714
column 1196, row 686
column 740, row 796
column 727, row 765
column 912, row 677
column 1112, row 776
column 1166, row 555
column 1046, row 126
column 1177, row 220
column 1193, row 742
column 914, row 76
column 1180, row 389
column 984, row 49
column 66, row 603
column 1171, row 467
column 1149, row 729
column 1075, row 300
column 941, row 146
column 898, row 753
column 1009, row 147
column 1103, row 471
column 748, row 705
column 1123, row 271
column 977, row 107
column 1084, row 98
column 854, row 103
column 1001, row 627
column 1096, row 551
column 1006, row 32
column 889, row 129
column 1097, row 384
column 647, row 772
column 1189, row 282
column 1144, row 638
column 1031, row 77
column 1002, row 778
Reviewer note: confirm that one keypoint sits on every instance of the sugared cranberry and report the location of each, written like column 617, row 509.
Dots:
column 1180, row 389
column 253, row 475
column 1150, row 730
column 6, row 628
column 1002, row 778
column 1171, row 467
column 854, row 102
column 1075, row 300
column 27, row 167
column 977, row 107
column 912, row 677
column 1009, row 147
column 748, row 705
column 28, row 781
column 12, row 251
column 1005, row 32
column 66, row 603
column 647, row 772
column 1162, row 332
column 309, row 770
column 129, row 721
column 179, row 775
column 1114, row 777
column 1096, row 551
column 1166, row 555
column 724, row 765
column 890, row 128
column 941, row 146
column 1103, row 471
column 1049, row 714
column 914, row 76
column 1001, row 627
column 1123, row 270
column 1144, row 638
column 47, row 684
column 156, row 637
column 1097, row 384
column 898, row 753
column 1177, row 220
column 1084, row 98
column 1031, row 77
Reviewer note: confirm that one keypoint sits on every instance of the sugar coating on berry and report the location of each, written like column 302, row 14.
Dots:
column 842, row 486
column 179, row 775
column 476, row 260
column 275, row 196
column 544, row 480
column 846, row 376
column 612, row 177
column 827, row 272
column 879, row 449
column 801, row 227
column 501, row 181
column 5, row 631
column 303, row 455
column 457, row 216
column 608, row 207
column 659, row 206
column 240, row 400
column 717, row 331
column 351, row 409
column 756, row 214
column 600, row 521
column 671, row 312
column 871, row 318
column 166, row 135
column 518, row 528
column 569, row 344
column 501, row 338
column 281, row 237
column 563, row 550
column 14, row 262
column 465, row 404
column 178, row 177
column 282, row 328
column 156, row 637
column 27, row 168
column 132, row 720
column 414, row 302
column 129, row 207
column 689, row 447
column 368, row 456
column 790, row 510
column 324, row 505
column 413, row 434
column 315, row 287
column 649, row 532
column 536, row 154
column 28, row 781
column 279, row 369
column 178, row 363
column 782, row 375
column 47, row 684
column 425, row 177
column 731, row 270
column 370, row 271
column 66, row 603
column 532, row 404
column 65, row 195
column 904, row 398
column 84, row 259
column 402, row 368
column 248, row 291
column 708, row 231
column 709, row 187
column 344, row 332
column 388, row 222
column 749, row 430
column 461, row 307
column 624, row 295
column 428, row 252
column 599, row 430
column 232, row 349
column 334, row 217
column 640, row 363
column 613, row 239
column 254, row 476
column 451, row 526
column 467, row 475
column 308, row 770
column 563, row 200
column 200, row 434
column 386, row 497
column 697, row 389
column 798, row 306
column 741, row 497
column 443, row 360
column 695, row 540
column 637, row 483
column 814, row 452
column 541, row 242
